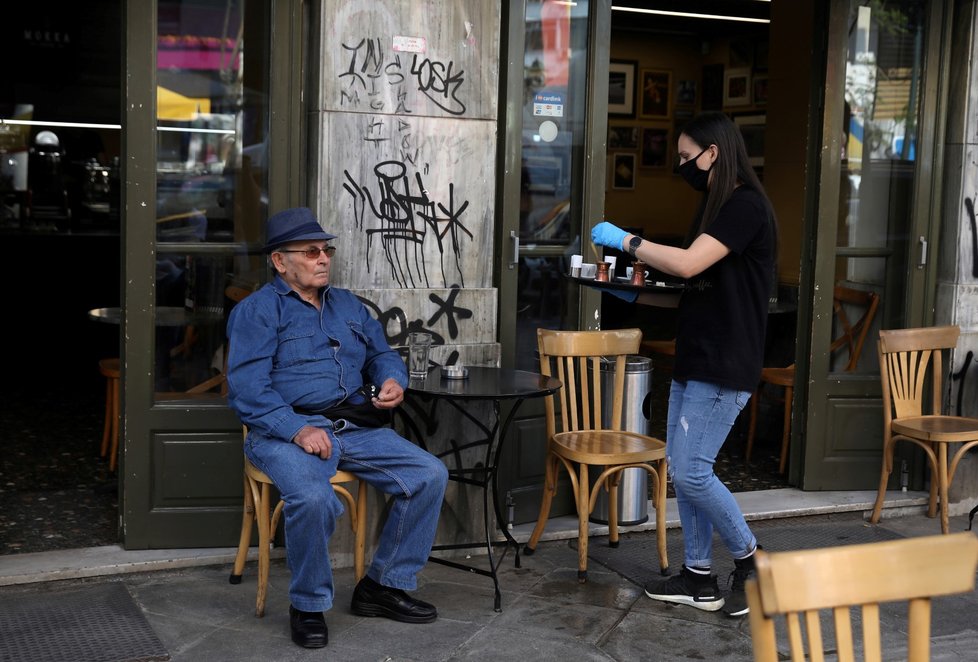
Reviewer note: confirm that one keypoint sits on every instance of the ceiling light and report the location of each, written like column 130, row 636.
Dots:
column 683, row 14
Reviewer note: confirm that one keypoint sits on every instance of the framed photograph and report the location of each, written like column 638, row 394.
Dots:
column 655, row 148
column 713, row 87
column 736, row 87
column 654, row 88
column 623, row 171
column 686, row 93
column 752, row 128
column 623, row 137
column 760, row 90
column 621, row 88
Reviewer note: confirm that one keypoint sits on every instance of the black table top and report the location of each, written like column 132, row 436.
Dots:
column 165, row 316
column 485, row 383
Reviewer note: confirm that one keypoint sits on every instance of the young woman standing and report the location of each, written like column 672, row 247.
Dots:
column 728, row 262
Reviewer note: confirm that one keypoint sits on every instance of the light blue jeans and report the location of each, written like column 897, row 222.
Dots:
column 415, row 478
column 699, row 420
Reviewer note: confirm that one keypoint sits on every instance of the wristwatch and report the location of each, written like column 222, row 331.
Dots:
column 633, row 245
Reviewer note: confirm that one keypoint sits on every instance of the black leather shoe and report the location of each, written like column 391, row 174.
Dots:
column 308, row 628
column 372, row 599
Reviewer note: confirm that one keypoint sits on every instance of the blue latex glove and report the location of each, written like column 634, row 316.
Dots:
column 606, row 234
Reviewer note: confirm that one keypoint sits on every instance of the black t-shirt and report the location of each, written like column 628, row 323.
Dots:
column 723, row 311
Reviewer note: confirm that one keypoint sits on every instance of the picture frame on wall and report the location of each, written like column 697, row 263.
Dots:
column 623, row 137
column 760, row 90
column 713, row 86
column 752, row 128
column 655, row 148
column 736, row 87
column 686, row 93
column 655, row 86
column 623, row 171
column 621, row 88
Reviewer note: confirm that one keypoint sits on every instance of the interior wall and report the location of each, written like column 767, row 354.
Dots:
column 661, row 204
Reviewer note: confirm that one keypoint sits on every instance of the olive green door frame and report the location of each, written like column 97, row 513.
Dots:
column 180, row 481
column 521, row 464
column 837, row 418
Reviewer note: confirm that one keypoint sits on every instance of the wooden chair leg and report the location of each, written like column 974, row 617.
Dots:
column 549, row 489
column 583, row 499
column 360, row 531
column 613, row 481
column 114, row 434
column 935, row 482
column 107, row 425
column 264, row 540
column 660, row 516
column 786, row 435
column 884, row 479
column 943, row 486
column 244, row 541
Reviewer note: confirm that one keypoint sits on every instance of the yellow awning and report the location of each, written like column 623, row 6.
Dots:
column 173, row 106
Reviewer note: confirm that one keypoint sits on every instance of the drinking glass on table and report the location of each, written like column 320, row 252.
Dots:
column 419, row 344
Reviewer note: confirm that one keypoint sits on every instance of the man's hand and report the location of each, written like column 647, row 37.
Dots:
column 391, row 394
column 606, row 234
column 314, row 441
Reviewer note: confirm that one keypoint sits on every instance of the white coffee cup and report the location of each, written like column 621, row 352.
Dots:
column 588, row 270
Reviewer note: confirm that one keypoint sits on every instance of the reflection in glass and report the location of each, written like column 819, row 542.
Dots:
column 555, row 91
column 212, row 125
column 884, row 71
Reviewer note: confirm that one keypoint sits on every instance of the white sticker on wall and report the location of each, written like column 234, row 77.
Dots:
column 409, row 44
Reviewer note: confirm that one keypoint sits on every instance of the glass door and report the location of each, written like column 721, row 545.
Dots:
column 563, row 100
column 198, row 132
column 875, row 221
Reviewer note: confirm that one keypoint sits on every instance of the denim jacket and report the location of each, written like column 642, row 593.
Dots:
column 283, row 353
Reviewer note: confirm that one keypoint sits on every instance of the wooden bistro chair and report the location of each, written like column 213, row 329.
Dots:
column 257, row 508
column 905, row 356
column 109, row 368
column 577, row 441
column 851, row 339
column 797, row 585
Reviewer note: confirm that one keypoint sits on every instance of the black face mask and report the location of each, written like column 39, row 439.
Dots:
column 698, row 179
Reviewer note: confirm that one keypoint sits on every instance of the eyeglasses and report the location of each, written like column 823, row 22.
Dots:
column 312, row 253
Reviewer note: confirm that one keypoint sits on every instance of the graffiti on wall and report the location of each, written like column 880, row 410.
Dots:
column 397, row 209
column 961, row 378
column 371, row 68
column 970, row 207
column 397, row 326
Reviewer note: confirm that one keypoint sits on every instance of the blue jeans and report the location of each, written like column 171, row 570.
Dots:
column 415, row 478
column 699, row 420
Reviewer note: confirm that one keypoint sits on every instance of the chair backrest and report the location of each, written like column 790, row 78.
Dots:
column 853, row 335
column 905, row 356
column 575, row 357
column 796, row 585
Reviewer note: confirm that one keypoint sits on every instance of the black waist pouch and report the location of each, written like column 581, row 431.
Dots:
column 363, row 415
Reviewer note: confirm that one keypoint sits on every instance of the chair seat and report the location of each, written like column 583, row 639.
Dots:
column 608, row 447
column 935, row 428
column 779, row 376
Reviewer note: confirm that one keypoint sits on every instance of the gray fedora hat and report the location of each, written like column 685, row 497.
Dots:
column 296, row 224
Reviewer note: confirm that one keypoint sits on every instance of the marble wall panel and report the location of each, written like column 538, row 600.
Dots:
column 410, row 57
column 410, row 199
column 462, row 322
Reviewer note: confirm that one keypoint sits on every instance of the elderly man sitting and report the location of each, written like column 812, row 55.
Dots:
column 304, row 358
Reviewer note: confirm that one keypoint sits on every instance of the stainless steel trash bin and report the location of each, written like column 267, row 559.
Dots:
column 633, row 491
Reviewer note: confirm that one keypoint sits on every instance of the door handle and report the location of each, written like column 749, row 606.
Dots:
column 923, row 252
column 516, row 248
